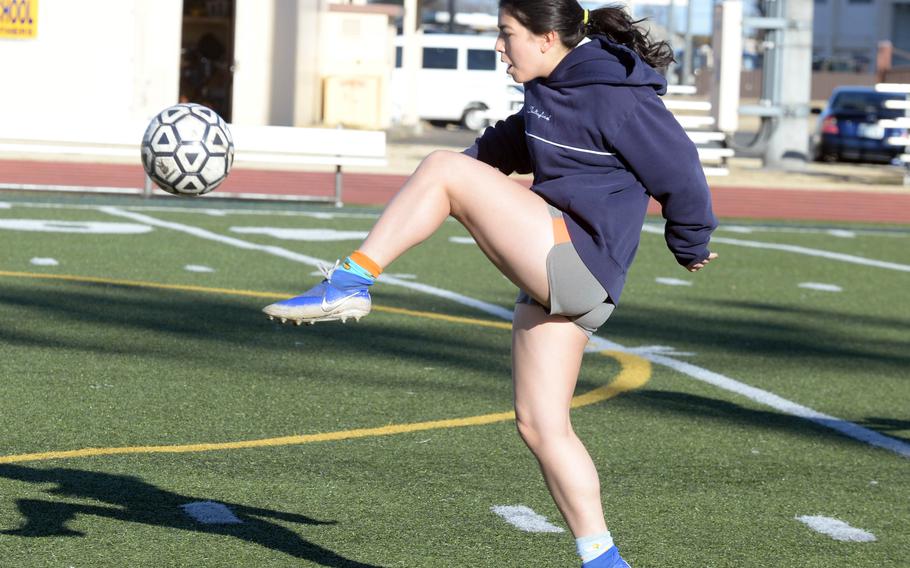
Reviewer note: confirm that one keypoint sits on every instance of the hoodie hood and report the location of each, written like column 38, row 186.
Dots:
column 601, row 61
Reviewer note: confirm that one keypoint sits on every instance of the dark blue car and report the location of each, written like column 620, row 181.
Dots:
column 849, row 127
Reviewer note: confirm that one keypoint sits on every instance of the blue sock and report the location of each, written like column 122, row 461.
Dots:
column 351, row 275
column 590, row 547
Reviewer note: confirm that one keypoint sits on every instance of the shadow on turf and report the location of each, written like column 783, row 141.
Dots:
column 797, row 336
column 132, row 500
column 712, row 408
column 232, row 334
column 766, row 331
column 112, row 319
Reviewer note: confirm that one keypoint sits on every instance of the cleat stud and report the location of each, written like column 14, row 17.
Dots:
column 357, row 319
column 284, row 320
column 298, row 323
column 311, row 323
column 344, row 320
column 271, row 318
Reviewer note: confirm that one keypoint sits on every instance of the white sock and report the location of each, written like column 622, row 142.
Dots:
column 590, row 547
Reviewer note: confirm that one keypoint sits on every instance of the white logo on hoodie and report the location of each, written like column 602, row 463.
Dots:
column 539, row 113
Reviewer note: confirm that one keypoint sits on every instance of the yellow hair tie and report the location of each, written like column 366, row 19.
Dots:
column 585, row 20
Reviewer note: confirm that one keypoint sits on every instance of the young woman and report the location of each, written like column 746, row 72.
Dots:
column 600, row 143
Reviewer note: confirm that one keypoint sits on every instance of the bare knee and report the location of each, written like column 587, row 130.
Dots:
column 538, row 436
column 439, row 163
column 443, row 169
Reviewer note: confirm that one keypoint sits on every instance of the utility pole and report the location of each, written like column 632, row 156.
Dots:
column 728, row 58
column 451, row 16
column 687, row 54
column 786, row 81
column 410, row 63
column 671, row 32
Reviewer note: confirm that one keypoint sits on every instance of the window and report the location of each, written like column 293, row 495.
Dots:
column 481, row 60
column 440, row 58
column 398, row 56
column 868, row 102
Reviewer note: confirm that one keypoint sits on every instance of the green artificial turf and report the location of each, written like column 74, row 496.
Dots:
column 692, row 475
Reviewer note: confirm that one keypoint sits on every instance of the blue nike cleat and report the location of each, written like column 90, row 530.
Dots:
column 341, row 295
column 609, row 559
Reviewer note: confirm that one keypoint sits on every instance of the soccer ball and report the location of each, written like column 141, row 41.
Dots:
column 187, row 149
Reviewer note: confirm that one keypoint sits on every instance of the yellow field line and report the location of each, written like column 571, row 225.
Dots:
column 635, row 372
column 234, row 292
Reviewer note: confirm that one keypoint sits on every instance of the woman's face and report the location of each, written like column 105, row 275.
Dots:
column 522, row 50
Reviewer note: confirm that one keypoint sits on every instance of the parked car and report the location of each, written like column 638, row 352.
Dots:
column 461, row 80
column 850, row 127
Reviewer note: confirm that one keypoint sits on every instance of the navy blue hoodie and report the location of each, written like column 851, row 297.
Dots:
column 600, row 142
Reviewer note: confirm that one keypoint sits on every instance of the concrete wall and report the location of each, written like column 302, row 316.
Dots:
column 308, row 91
column 823, row 83
column 355, row 67
column 98, row 65
column 253, row 61
column 89, row 71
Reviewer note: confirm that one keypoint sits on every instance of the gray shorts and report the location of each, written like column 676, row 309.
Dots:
column 574, row 292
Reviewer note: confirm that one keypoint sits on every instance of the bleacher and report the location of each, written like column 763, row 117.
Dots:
column 900, row 122
column 694, row 114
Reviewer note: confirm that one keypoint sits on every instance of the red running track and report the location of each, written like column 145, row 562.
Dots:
column 377, row 189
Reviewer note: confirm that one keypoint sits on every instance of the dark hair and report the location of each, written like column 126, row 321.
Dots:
column 566, row 17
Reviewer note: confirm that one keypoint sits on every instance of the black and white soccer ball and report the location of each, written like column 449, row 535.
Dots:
column 187, row 149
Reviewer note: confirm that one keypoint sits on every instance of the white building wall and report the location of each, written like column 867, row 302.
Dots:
column 356, row 61
column 252, row 61
column 307, row 97
column 93, row 63
column 98, row 67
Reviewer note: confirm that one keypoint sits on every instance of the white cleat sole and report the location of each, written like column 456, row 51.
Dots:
column 353, row 309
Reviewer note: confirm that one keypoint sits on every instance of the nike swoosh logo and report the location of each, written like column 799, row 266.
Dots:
column 329, row 307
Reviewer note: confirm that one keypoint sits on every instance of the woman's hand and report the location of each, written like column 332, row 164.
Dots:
column 697, row 265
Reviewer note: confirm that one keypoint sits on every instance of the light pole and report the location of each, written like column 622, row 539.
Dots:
column 687, row 45
column 671, row 32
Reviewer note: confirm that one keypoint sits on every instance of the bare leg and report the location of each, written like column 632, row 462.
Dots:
column 510, row 223
column 546, row 358
column 513, row 227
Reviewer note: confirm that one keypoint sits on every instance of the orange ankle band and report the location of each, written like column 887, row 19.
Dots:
column 366, row 262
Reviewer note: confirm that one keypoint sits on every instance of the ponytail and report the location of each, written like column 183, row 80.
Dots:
column 619, row 27
column 573, row 23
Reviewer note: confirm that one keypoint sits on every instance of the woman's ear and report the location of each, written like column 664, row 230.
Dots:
column 550, row 39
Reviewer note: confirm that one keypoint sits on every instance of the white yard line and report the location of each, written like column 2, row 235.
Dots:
column 211, row 513
column 836, row 529
column 525, row 518
column 597, row 343
column 744, row 229
column 799, row 250
column 303, row 259
column 815, row 252
column 329, row 214
column 820, row 286
column 765, row 398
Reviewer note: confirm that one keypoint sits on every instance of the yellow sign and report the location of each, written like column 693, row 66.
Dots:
column 18, row 19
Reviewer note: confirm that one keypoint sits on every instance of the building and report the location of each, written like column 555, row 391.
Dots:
column 839, row 44
column 70, row 67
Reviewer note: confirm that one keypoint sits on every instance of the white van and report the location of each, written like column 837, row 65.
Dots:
column 460, row 79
